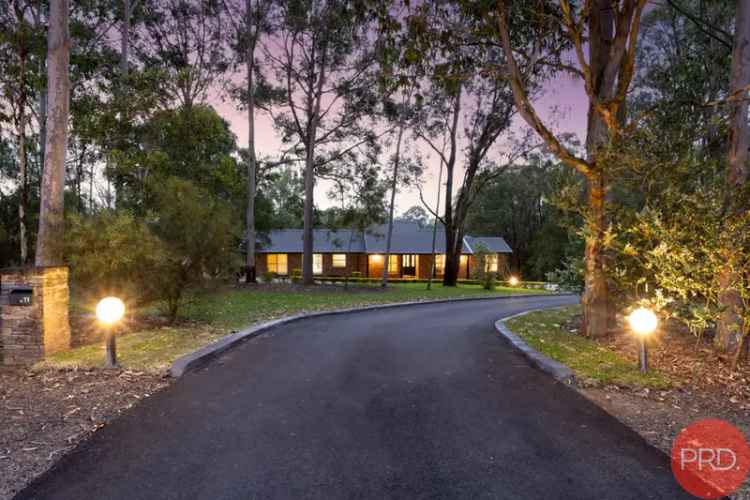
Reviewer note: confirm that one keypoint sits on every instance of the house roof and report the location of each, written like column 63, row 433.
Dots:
column 324, row 240
column 408, row 237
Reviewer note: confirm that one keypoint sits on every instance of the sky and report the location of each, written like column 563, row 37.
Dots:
column 562, row 104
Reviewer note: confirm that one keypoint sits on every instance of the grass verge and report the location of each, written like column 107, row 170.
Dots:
column 212, row 315
column 548, row 332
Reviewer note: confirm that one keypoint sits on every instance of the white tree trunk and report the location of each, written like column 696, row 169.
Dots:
column 51, row 217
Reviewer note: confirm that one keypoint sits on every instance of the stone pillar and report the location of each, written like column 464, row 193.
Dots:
column 29, row 332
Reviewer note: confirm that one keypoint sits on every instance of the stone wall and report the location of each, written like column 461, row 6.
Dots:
column 28, row 333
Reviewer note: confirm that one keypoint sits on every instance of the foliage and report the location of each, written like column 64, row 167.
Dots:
column 113, row 253
column 199, row 231
column 569, row 276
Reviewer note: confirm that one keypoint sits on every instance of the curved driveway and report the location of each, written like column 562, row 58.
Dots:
column 414, row 402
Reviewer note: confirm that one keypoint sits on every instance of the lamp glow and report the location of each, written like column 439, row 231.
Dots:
column 110, row 310
column 513, row 281
column 643, row 321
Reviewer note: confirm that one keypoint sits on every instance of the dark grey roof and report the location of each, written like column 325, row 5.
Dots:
column 324, row 241
column 494, row 244
column 408, row 237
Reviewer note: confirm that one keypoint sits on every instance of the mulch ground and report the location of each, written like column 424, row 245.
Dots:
column 46, row 413
column 704, row 386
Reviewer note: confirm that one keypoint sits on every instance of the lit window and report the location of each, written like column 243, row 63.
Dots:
column 338, row 260
column 393, row 263
column 277, row 263
column 440, row 263
column 490, row 264
column 317, row 263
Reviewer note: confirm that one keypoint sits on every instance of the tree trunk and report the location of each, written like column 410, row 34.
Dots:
column 307, row 243
column 595, row 301
column 250, row 273
column 23, row 203
column 729, row 328
column 394, row 183
column 450, row 274
column 434, row 230
column 597, row 311
column 51, row 216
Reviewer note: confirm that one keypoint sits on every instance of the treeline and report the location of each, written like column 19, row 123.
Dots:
column 651, row 207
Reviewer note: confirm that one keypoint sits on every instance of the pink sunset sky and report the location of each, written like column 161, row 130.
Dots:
column 562, row 104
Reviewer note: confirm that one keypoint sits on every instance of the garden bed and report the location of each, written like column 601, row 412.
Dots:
column 46, row 412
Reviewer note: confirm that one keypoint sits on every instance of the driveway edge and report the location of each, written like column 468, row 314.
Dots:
column 200, row 357
column 559, row 371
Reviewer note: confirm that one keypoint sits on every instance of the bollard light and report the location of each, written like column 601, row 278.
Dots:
column 514, row 281
column 109, row 312
column 643, row 322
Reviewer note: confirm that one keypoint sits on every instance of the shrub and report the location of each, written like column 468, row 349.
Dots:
column 198, row 230
column 296, row 275
column 113, row 253
column 267, row 276
column 356, row 274
column 488, row 281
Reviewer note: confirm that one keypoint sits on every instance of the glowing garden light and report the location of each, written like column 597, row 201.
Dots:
column 109, row 312
column 514, row 281
column 643, row 322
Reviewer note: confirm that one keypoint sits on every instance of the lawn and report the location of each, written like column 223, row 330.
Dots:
column 210, row 316
column 550, row 332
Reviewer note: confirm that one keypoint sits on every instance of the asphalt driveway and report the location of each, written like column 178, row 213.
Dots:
column 415, row 402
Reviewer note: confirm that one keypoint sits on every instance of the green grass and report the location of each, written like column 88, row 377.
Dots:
column 237, row 308
column 546, row 332
column 210, row 316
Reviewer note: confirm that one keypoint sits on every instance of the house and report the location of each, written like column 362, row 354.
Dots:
column 348, row 252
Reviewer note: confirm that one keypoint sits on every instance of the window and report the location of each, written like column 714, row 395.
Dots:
column 277, row 263
column 440, row 263
column 490, row 263
column 317, row 263
column 392, row 263
column 338, row 260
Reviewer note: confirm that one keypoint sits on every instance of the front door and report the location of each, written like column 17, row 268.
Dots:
column 409, row 265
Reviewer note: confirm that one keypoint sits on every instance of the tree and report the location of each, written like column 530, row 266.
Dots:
column 51, row 217
column 324, row 66
column 612, row 29
column 415, row 214
column 730, row 326
column 184, row 41
column 256, row 23
column 464, row 103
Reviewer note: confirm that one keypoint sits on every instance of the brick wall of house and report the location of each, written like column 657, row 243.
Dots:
column 355, row 262
column 30, row 332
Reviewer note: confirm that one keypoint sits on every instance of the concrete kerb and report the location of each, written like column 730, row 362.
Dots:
column 559, row 371
column 196, row 359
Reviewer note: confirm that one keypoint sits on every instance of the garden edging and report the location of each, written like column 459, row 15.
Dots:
column 559, row 371
column 196, row 359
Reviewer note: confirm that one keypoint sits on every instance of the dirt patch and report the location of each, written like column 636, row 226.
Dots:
column 46, row 413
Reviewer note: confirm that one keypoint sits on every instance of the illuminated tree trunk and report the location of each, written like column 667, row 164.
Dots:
column 51, row 217
column 595, row 300
column 729, row 327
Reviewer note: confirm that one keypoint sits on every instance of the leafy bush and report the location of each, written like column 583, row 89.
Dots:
column 356, row 274
column 489, row 281
column 296, row 275
column 569, row 276
column 267, row 276
column 198, row 230
column 113, row 253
